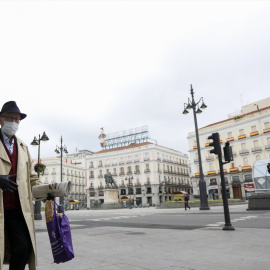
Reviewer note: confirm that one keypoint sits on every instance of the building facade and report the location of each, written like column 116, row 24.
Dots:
column 145, row 173
column 248, row 133
column 73, row 170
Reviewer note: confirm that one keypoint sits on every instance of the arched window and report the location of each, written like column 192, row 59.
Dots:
column 245, row 161
column 258, row 157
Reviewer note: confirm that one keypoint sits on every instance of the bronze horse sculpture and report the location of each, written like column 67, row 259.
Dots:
column 109, row 180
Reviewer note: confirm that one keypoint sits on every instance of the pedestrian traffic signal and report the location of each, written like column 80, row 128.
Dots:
column 215, row 143
column 268, row 168
column 227, row 150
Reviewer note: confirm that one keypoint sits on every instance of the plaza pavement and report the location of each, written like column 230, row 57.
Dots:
column 111, row 248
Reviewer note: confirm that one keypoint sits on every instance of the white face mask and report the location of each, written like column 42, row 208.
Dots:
column 10, row 128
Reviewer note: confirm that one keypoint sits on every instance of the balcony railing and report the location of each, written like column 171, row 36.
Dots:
column 147, row 170
column 256, row 149
column 137, row 172
column 244, row 152
column 100, row 176
column 267, row 146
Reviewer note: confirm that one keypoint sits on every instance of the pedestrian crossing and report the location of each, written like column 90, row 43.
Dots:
column 113, row 218
column 218, row 224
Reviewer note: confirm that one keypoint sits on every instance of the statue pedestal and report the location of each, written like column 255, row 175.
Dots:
column 111, row 200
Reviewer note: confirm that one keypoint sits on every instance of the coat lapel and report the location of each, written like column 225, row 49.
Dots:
column 3, row 153
column 22, row 156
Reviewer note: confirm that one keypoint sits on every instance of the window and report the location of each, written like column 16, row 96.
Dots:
column 245, row 161
column 248, row 178
column 243, row 147
column 129, row 159
column 258, row 157
column 256, row 144
column 229, row 134
column 266, row 125
column 107, row 162
column 241, row 132
column 114, row 161
column 211, row 168
column 253, row 128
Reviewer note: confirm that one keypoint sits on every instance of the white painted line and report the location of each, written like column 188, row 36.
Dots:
column 212, row 225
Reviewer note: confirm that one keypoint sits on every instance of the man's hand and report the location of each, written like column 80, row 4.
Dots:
column 6, row 184
column 50, row 196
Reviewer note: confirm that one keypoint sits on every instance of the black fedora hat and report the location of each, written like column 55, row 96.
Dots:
column 12, row 107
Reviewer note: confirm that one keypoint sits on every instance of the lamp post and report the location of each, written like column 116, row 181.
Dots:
column 35, row 142
column 197, row 109
column 129, row 190
column 59, row 150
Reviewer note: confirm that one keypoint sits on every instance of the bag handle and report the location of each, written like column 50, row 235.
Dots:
column 58, row 208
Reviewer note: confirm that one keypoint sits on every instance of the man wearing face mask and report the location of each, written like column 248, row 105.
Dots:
column 17, row 178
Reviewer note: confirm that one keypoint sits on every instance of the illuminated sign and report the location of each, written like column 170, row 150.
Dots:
column 124, row 138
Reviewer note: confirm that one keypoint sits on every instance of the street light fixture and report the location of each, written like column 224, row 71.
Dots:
column 193, row 105
column 36, row 142
column 59, row 150
column 129, row 190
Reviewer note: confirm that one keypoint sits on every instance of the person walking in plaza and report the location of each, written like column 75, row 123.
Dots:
column 17, row 177
column 186, row 198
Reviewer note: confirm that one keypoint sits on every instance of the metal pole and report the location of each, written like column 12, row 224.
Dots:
column 228, row 225
column 37, row 210
column 202, row 184
column 129, row 191
column 61, row 174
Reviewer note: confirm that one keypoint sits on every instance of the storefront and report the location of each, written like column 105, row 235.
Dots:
column 236, row 186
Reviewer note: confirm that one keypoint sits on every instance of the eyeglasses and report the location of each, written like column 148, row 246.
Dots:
column 11, row 119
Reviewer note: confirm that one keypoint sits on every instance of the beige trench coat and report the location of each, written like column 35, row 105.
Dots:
column 26, row 179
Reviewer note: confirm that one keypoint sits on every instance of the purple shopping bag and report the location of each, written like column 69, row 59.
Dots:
column 60, row 237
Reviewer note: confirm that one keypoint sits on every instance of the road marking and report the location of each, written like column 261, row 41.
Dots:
column 213, row 225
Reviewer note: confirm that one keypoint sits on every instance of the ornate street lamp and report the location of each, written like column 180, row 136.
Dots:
column 59, row 150
column 197, row 109
column 129, row 190
column 36, row 142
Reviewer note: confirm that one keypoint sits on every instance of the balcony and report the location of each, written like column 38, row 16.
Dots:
column 100, row 176
column 146, row 159
column 136, row 161
column 91, row 176
column 147, row 171
column 137, row 172
column 100, row 165
column 129, row 173
column 121, row 162
column 209, row 158
column 244, row 152
column 267, row 146
column 129, row 161
column 121, row 173
column 256, row 149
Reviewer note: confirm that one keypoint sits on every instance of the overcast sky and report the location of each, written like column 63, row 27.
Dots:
column 76, row 66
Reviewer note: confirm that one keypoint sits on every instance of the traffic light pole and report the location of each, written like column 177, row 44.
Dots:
column 228, row 225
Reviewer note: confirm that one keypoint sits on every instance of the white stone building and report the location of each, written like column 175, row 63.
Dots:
column 158, row 173
column 248, row 132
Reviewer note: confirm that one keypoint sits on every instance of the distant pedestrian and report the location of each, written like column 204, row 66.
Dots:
column 186, row 201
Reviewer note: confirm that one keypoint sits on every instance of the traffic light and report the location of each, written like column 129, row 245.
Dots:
column 268, row 168
column 227, row 150
column 215, row 143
